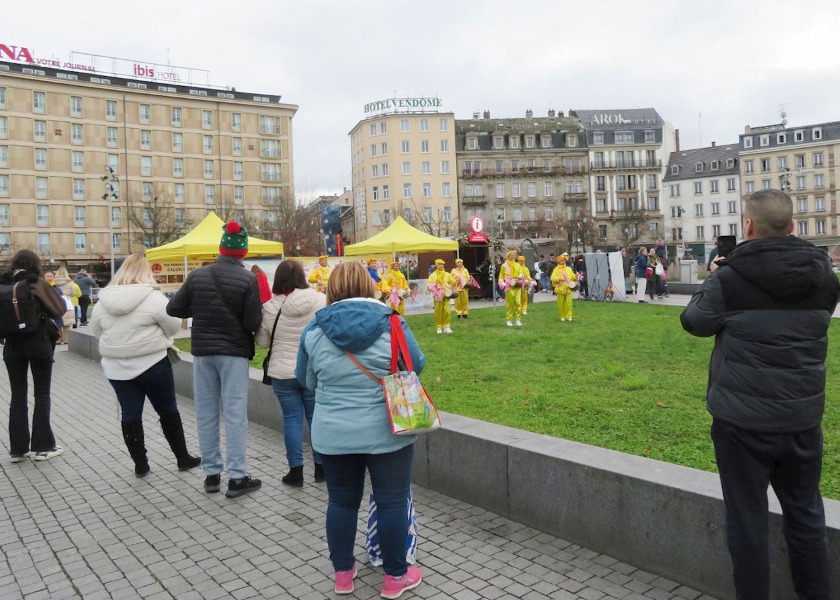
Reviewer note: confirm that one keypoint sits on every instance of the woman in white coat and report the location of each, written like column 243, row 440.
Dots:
column 291, row 308
column 135, row 334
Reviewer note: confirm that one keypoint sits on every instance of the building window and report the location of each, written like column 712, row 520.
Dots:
column 444, row 167
column 715, row 208
column 730, row 184
column 820, row 223
column 270, row 172
column 427, row 190
column 177, row 167
column 472, row 143
column 765, row 165
column 443, row 124
column 816, row 133
column 624, row 137
column 513, row 142
column 146, row 166
column 424, row 124
column 651, row 183
column 112, row 137
column 500, row 191
column 236, row 121
column 76, row 106
column 79, row 216
column 698, row 210
column 209, row 194
column 427, row 214
column 42, row 215
column 208, row 144
column 698, row 167
column 384, row 148
column 424, row 146
column 700, row 232
column 819, row 180
column 572, row 141
column 177, row 114
column 799, row 136
column 148, row 191
column 404, row 127
column 548, row 189
column 498, row 142
column 39, row 131
column 407, row 190
column 698, row 187
column 675, row 190
column 386, row 192
column 765, row 184
column 178, row 193
column 799, row 161
column 598, row 138
column 529, row 141
column 177, row 142
column 748, row 142
column 514, row 166
column 532, row 190
column 39, row 102
column 715, row 230
column 406, row 168
column 269, row 125
column 802, row 205
column 5, row 221
column 270, row 148
column 383, row 127
column 206, row 119
column 764, row 140
column 385, row 170
column 545, row 141
column 116, row 216
column 44, row 243
column 4, row 185
column 818, row 159
column 750, row 187
column 819, row 204
column 2, row 97
column 426, row 167
column 548, row 213
column 714, row 186
column 145, row 140
column 732, row 207
column 516, row 215
column 145, row 113
column 802, row 227
column 372, row 129
column 237, row 146
column 41, row 162
column 80, row 243
column 238, row 171
column 748, row 166
column 516, row 189
column 114, row 162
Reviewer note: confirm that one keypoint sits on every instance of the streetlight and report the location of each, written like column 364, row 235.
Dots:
column 112, row 183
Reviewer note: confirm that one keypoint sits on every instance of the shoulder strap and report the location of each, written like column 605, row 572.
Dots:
column 362, row 368
column 15, row 300
column 398, row 345
column 273, row 329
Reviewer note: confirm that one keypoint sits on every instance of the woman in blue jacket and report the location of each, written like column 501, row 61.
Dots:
column 642, row 265
column 350, row 427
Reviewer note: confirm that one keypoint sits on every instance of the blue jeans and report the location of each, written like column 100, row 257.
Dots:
column 390, row 478
column 297, row 403
column 157, row 383
column 220, row 383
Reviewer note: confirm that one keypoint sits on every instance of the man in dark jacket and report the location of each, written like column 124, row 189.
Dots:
column 86, row 283
column 223, row 300
column 769, row 304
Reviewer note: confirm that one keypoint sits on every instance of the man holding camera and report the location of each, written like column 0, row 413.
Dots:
column 769, row 303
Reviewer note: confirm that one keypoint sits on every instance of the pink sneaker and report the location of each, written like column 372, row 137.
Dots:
column 344, row 581
column 393, row 587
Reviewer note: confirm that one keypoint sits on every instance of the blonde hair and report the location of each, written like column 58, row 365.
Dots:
column 135, row 269
column 349, row 280
column 62, row 272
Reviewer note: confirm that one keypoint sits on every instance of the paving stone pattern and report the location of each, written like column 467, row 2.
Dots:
column 82, row 526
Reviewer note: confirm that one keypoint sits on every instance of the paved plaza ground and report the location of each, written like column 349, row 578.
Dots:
column 82, row 526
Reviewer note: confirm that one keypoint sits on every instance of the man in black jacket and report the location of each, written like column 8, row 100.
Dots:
column 223, row 300
column 769, row 304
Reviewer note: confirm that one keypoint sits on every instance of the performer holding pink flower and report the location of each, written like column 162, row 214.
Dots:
column 395, row 288
column 512, row 283
column 461, row 276
column 529, row 282
column 564, row 281
column 441, row 288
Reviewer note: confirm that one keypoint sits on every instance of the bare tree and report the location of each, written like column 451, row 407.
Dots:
column 247, row 216
column 156, row 221
column 630, row 225
column 580, row 228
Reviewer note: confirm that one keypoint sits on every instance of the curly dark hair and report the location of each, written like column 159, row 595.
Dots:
column 26, row 260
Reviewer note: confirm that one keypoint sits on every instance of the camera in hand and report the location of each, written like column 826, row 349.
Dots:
column 726, row 244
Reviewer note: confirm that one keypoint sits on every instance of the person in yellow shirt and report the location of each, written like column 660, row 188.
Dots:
column 395, row 288
column 564, row 280
column 529, row 281
column 511, row 282
column 441, row 288
column 461, row 276
column 320, row 275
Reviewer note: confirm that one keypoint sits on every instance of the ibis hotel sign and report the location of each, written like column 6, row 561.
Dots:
column 107, row 65
column 407, row 104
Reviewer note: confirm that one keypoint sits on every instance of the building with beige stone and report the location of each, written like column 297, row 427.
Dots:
column 187, row 148
column 525, row 176
column 803, row 162
column 403, row 164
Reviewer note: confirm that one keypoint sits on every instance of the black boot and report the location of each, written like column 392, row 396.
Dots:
column 135, row 442
column 173, row 430
column 319, row 473
column 294, row 477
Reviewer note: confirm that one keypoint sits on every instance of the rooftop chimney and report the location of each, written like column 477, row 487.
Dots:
column 677, row 139
column 486, row 114
column 551, row 112
column 713, row 144
column 529, row 114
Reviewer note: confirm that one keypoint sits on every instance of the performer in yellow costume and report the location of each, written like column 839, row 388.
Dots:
column 395, row 288
column 441, row 287
column 563, row 279
column 528, row 283
column 461, row 276
column 511, row 282
column 320, row 275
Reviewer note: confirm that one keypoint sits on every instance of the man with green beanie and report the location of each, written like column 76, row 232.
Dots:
column 223, row 300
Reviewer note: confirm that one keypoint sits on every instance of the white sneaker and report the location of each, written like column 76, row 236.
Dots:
column 439, row 330
column 447, row 330
column 16, row 458
column 570, row 318
column 48, row 454
column 524, row 312
column 562, row 319
column 518, row 323
column 509, row 324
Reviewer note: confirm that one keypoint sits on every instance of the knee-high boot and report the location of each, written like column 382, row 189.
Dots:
column 135, row 442
column 173, row 430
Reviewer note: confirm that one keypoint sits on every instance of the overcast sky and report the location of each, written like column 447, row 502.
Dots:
column 709, row 68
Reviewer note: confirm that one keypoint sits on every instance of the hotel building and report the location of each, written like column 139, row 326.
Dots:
column 188, row 148
column 526, row 177
column 803, row 162
column 403, row 164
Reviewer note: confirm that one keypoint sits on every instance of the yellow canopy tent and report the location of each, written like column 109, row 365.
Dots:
column 400, row 238
column 203, row 242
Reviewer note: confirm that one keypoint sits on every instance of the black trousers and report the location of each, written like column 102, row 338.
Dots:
column 748, row 462
column 84, row 302
column 42, row 438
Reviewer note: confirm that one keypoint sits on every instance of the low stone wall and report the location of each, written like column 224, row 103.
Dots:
column 659, row 517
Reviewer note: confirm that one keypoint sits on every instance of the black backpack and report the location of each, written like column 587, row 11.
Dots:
column 20, row 310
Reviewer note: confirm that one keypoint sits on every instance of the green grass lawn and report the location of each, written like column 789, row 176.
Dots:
column 620, row 376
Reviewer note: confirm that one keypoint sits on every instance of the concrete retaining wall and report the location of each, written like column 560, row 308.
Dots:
column 660, row 517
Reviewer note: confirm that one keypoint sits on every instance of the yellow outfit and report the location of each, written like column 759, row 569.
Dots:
column 527, row 272
column 509, row 273
column 461, row 276
column 438, row 281
column 394, row 280
column 560, row 278
column 319, row 276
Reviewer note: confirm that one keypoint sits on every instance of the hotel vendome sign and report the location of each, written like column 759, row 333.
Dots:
column 404, row 105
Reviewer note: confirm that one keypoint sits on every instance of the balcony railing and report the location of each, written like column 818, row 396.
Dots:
column 523, row 171
column 575, row 196
column 480, row 199
column 625, row 164
column 271, row 177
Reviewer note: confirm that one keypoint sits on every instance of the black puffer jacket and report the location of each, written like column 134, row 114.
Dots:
column 214, row 330
column 769, row 309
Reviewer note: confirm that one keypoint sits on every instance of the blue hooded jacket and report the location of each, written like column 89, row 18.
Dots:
column 350, row 414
